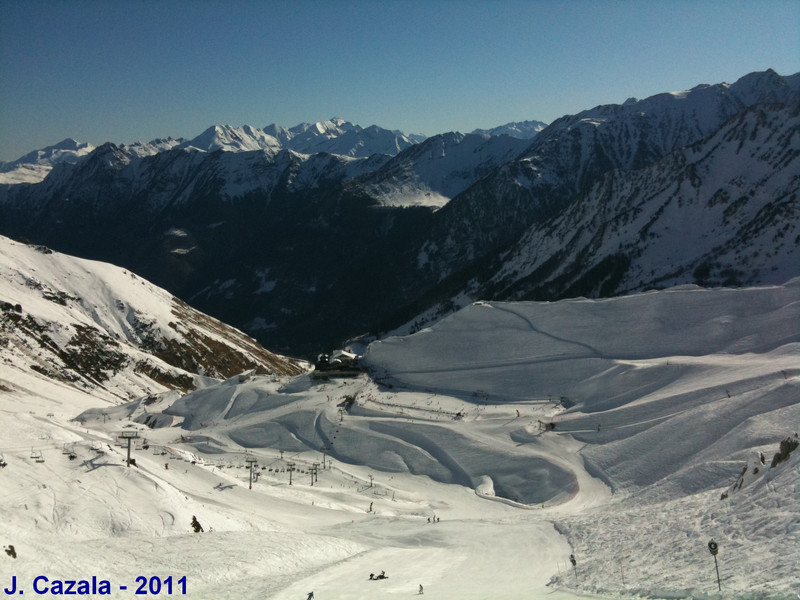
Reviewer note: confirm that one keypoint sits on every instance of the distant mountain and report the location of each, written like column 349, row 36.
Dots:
column 304, row 249
column 523, row 130
column 35, row 166
column 575, row 151
column 338, row 136
column 434, row 171
column 95, row 327
column 721, row 212
column 232, row 139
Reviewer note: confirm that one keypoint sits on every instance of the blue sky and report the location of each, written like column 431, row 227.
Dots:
column 125, row 71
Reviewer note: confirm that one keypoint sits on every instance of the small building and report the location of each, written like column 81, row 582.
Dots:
column 339, row 363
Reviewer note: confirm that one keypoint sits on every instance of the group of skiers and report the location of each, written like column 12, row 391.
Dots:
column 383, row 575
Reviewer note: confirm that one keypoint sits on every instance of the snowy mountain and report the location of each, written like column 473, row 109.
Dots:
column 305, row 250
column 82, row 327
column 434, row 171
column 34, row 166
column 574, row 152
column 723, row 211
column 472, row 461
column 233, row 139
column 337, row 136
column 523, row 130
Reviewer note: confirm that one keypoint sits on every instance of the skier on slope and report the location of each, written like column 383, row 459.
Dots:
column 196, row 525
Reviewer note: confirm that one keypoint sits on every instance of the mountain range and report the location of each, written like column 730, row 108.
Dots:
column 306, row 236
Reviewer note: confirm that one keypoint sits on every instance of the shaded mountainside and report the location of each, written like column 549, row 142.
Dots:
column 566, row 159
column 724, row 211
column 305, row 250
column 99, row 328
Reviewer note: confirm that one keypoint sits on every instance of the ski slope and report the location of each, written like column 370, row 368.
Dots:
column 439, row 467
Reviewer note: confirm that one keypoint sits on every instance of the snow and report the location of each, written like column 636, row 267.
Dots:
column 469, row 497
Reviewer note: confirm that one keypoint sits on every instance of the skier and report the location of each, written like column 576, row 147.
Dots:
column 10, row 551
column 310, row 596
column 196, row 525
column 420, row 589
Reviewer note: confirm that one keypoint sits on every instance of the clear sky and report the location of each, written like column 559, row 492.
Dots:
column 125, row 71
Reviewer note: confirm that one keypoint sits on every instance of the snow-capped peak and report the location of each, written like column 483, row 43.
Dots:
column 233, row 139
column 35, row 165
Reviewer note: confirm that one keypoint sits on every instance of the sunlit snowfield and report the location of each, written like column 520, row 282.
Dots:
column 657, row 403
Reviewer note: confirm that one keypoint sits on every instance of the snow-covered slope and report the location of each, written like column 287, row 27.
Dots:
column 34, row 166
column 444, row 471
column 80, row 327
column 432, row 172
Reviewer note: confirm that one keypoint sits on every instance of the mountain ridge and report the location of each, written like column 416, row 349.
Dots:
column 97, row 328
column 306, row 250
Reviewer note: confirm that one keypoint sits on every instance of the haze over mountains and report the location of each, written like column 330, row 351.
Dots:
column 306, row 236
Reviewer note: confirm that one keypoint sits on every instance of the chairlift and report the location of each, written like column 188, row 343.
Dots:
column 64, row 449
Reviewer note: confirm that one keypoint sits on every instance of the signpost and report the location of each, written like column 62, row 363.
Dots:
column 713, row 548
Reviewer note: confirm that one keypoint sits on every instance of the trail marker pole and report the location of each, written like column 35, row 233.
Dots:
column 574, row 566
column 713, row 548
column 129, row 435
